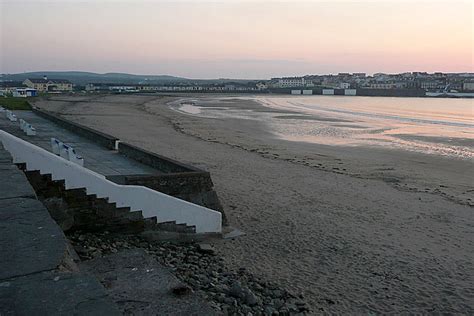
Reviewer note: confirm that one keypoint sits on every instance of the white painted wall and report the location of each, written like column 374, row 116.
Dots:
column 350, row 92
column 295, row 91
column 138, row 198
column 328, row 91
column 307, row 92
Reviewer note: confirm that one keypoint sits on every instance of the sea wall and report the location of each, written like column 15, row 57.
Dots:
column 161, row 163
column 358, row 92
column 176, row 179
column 172, row 177
column 89, row 133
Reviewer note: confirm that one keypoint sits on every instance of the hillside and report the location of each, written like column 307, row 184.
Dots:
column 82, row 78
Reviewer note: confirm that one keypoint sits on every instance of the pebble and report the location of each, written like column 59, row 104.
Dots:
column 201, row 271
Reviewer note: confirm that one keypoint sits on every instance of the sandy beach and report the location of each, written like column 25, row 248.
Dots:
column 358, row 230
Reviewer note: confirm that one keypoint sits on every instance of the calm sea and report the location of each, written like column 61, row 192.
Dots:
column 429, row 125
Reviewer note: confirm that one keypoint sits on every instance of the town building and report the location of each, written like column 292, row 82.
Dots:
column 48, row 85
column 288, row 82
column 468, row 86
column 8, row 87
column 25, row 92
column 344, row 85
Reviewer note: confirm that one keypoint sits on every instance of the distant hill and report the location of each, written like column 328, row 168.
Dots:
column 82, row 78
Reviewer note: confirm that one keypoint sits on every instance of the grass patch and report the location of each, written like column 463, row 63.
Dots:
column 12, row 103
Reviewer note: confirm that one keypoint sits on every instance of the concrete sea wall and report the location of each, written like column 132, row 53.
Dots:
column 139, row 198
column 38, row 275
column 173, row 177
column 89, row 133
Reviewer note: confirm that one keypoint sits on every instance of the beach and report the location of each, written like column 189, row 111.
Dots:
column 357, row 229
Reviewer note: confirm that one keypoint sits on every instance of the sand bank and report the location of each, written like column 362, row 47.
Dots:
column 356, row 229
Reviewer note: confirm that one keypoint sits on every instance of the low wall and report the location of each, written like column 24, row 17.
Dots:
column 138, row 198
column 161, row 163
column 194, row 187
column 89, row 133
column 392, row 92
column 179, row 180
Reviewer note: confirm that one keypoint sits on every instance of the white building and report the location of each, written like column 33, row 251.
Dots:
column 344, row 85
column 24, row 92
column 468, row 86
column 290, row 82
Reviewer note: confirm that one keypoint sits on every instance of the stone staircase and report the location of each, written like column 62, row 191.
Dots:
column 74, row 209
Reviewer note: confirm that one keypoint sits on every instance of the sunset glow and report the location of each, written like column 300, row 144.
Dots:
column 237, row 39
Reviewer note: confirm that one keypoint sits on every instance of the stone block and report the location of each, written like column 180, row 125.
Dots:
column 30, row 240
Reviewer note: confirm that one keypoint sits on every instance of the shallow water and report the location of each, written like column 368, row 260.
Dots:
column 428, row 125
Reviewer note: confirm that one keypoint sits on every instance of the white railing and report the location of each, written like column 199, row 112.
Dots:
column 150, row 202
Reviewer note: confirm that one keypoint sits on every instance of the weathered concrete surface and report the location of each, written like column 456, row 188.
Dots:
column 96, row 157
column 31, row 241
column 37, row 273
column 13, row 183
column 138, row 283
column 54, row 293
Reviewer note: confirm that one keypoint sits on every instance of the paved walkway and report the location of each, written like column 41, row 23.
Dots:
column 37, row 272
column 97, row 158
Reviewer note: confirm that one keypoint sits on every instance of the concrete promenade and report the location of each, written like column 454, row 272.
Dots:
column 96, row 157
column 38, row 275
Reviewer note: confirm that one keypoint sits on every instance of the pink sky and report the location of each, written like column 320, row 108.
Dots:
column 236, row 39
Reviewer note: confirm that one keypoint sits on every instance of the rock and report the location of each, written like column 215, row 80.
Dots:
column 206, row 248
column 250, row 298
column 230, row 292
column 181, row 290
column 277, row 294
column 268, row 310
column 236, row 290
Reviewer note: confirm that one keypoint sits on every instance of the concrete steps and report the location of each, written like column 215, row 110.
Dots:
column 89, row 212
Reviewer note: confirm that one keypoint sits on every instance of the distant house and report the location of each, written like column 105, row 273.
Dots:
column 48, row 85
column 8, row 87
column 261, row 86
column 344, row 85
column 25, row 92
column 468, row 86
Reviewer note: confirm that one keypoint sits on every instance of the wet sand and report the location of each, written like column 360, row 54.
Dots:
column 356, row 229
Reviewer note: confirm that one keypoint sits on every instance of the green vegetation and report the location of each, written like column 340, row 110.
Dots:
column 11, row 103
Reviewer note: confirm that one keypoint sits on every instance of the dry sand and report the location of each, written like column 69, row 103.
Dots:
column 357, row 230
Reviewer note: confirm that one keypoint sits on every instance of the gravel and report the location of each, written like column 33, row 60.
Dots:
column 228, row 292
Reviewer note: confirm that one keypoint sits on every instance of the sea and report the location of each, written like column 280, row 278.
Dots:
column 437, row 126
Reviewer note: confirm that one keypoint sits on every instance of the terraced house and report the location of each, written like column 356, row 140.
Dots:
column 49, row 85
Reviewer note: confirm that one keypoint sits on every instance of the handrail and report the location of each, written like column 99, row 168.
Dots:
column 150, row 202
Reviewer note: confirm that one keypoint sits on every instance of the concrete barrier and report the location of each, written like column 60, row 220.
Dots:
column 56, row 144
column 12, row 117
column 150, row 202
column 164, row 164
column 96, row 136
column 75, row 158
column 29, row 130
column 22, row 125
column 64, row 151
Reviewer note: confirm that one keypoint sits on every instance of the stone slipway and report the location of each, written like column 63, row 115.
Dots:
column 37, row 273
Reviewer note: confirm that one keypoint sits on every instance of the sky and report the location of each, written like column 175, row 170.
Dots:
column 252, row 39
